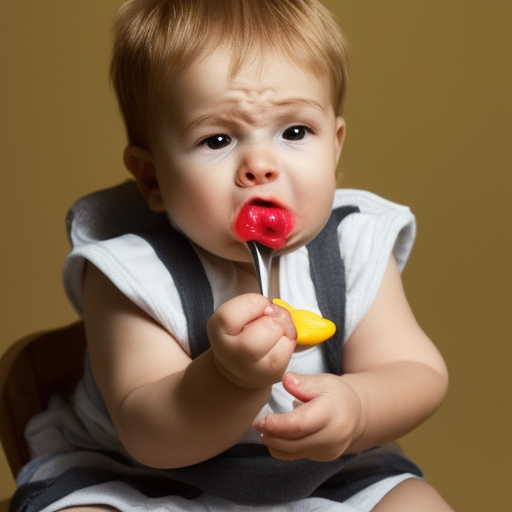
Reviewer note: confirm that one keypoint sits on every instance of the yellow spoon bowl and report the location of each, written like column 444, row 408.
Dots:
column 312, row 329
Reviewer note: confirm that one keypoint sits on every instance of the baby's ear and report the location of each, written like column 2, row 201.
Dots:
column 341, row 130
column 139, row 162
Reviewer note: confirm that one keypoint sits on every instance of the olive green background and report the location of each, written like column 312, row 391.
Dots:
column 429, row 117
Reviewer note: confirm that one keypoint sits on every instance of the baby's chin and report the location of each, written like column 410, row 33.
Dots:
column 290, row 246
column 300, row 237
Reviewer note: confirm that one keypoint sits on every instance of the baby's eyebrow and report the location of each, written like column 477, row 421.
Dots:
column 300, row 102
column 236, row 114
column 215, row 118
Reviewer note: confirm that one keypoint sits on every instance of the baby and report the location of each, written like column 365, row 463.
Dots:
column 196, row 395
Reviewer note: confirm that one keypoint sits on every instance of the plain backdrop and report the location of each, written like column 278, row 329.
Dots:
column 429, row 117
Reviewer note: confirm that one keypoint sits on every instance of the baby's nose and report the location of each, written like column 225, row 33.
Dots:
column 257, row 169
column 257, row 177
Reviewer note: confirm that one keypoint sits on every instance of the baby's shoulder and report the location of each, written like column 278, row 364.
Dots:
column 368, row 202
column 367, row 239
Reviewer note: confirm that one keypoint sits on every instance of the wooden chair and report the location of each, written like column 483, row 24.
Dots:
column 30, row 371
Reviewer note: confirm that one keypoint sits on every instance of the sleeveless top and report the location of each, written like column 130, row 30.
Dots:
column 337, row 275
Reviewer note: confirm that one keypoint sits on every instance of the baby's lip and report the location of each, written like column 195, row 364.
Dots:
column 265, row 221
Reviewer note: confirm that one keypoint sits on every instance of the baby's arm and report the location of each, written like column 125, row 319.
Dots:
column 394, row 379
column 168, row 410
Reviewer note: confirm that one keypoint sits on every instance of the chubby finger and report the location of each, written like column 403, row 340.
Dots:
column 273, row 333
column 301, row 422
column 289, row 450
column 301, row 450
column 283, row 319
column 289, row 444
column 302, row 387
column 235, row 314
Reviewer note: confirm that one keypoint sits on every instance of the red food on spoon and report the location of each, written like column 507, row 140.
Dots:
column 264, row 222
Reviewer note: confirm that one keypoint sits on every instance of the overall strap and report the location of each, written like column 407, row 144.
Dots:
column 180, row 259
column 328, row 275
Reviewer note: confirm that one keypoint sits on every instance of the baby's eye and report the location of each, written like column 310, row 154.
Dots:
column 217, row 141
column 296, row 132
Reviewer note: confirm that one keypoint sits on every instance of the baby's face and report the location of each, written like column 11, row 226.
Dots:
column 267, row 136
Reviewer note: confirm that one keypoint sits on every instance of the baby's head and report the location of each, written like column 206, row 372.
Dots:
column 156, row 40
column 232, row 106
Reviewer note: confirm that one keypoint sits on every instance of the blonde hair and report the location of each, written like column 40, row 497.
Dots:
column 157, row 39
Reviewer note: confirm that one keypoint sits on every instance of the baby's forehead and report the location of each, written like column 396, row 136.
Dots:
column 262, row 82
column 264, row 90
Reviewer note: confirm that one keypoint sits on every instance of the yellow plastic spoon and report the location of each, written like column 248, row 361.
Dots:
column 312, row 329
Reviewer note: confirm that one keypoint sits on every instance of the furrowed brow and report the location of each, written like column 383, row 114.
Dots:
column 213, row 119
column 236, row 115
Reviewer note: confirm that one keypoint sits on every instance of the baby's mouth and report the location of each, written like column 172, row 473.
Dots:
column 264, row 222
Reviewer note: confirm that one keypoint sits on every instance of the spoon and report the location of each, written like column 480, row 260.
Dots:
column 262, row 259
column 311, row 328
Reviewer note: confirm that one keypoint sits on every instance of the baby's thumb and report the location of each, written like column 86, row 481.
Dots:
column 302, row 387
column 282, row 318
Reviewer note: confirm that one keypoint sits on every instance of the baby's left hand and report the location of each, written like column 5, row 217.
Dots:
column 322, row 428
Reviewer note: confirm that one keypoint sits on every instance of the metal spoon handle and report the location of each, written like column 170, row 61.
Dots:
column 262, row 260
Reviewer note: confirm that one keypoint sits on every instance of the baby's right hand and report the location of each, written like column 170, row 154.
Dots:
column 252, row 340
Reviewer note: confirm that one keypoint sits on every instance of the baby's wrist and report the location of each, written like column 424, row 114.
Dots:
column 359, row 409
